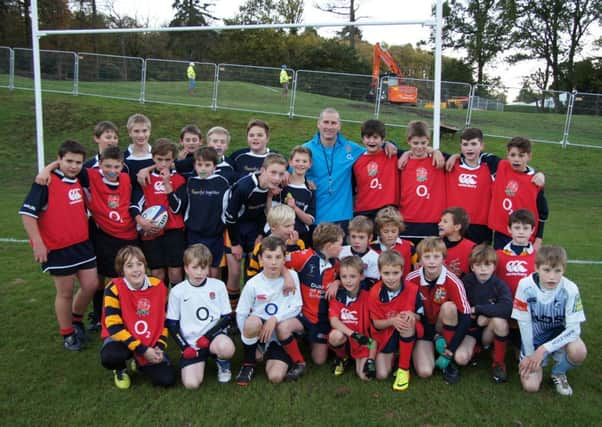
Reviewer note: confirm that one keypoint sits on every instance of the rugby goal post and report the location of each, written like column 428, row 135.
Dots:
column 36, row 34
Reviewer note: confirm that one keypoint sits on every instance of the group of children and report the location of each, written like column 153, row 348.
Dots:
column 377, row 300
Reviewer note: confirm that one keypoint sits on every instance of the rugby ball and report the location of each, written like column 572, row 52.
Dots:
column 157, row 214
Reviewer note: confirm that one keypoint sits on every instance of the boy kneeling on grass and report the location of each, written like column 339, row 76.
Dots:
column 264, row 309
column 198, row 314
column 133, row 322
column 549, row 312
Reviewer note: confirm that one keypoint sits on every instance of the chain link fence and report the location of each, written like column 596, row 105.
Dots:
column 111, row 76
column 166, row 83
column 570, row 119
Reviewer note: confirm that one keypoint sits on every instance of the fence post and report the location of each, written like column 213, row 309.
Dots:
column 11, row 67
column 378, row 98
column 215, row 85
column 569, row 117
column 142, row 80
column 75, row 73
column 291, row 111
column 473, row 89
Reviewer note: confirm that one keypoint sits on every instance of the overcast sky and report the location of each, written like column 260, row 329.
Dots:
column 160, row 12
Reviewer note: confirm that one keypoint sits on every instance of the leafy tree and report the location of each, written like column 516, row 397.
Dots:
column 481, row 27
column 192, row 45
column 552, row 31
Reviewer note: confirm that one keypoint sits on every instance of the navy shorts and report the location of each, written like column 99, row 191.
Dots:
column 392, row 346
column 248, row 233
column 166, row 250
column 106, row 248
column 69, row 260
column 416, row 231
column 215, row 245
column 315, row 332
column 479, row 233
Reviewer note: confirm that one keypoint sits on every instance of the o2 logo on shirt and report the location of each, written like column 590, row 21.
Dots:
column 75, row 196
column 271, row 309
column 202, row 314
column 141, row 329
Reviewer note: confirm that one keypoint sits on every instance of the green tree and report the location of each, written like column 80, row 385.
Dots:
column 192, row 45
column 481, row 27
column 553, row 31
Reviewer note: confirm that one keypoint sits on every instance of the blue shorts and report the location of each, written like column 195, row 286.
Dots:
column 69, row 260
column 315, row 332
column 215, row 245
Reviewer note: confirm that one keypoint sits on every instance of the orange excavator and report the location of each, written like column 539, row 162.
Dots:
column 393, row 91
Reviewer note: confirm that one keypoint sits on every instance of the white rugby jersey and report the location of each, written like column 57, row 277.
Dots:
column 198, row 308
column 263, row 297
column 370, row 261
column 554, row 314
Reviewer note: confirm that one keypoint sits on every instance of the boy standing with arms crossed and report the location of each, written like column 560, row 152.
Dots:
column 56, row 223
column 549, row 312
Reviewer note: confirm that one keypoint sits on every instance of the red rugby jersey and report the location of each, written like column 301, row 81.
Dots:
column 511, row 191
column 470, row 188
column 459, row 255
column 447, row 288
column 64, row 222
column 422, row 191
column 353, row 315
column 379, row 310
column 511, row 268
column 377, row 181
column 155, row 194
column 109, row 205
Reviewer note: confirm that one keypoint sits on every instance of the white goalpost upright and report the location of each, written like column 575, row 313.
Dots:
column 36, row 34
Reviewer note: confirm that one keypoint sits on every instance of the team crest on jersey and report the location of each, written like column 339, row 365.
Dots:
column 262, row 297
column 143, row 308
column 372, row 168
column 440, row 295
column 578, row 305
column 511, row 188
column 421, row 174
column 113, row 201
column 212, row 295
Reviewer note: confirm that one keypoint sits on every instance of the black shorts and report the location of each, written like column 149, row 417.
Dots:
column 429, row 332
column 479, row 233
column 276, row 352
column 248, row 234
column 315, row 332
column 392, row 346
column 215, row 245
column 69, row 260
column 416, row 231
column 106, row 248
column 166, row 250
column 202, row 356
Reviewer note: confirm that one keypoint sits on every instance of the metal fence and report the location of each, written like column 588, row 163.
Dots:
column 564, row 118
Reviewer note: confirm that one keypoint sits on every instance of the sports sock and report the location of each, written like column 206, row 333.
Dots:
column 233, row 295
column 339, row 351
column 291, row 347
column 499, row 350
column 406, row 345
column 77, row 318
column 563, row 365
column 249, row 357
column 97, row 304
column 66, row 331
column 448, row 333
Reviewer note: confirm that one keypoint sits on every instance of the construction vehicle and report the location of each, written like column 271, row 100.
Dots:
column 393, row 91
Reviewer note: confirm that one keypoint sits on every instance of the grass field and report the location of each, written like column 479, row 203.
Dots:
column 44, row 385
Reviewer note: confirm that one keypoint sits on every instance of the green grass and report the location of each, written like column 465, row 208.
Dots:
column 43, row 384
